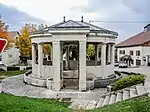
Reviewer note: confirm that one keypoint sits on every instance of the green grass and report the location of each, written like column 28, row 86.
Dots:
column 141, row 104
column 9, row 103
column 11, row 73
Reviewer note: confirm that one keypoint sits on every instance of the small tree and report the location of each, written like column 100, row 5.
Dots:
column 4, row 32
column 90, row 50
column 24, row 42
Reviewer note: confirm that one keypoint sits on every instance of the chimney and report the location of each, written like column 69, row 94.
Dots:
column 64, row 19
column 147, row 28
column 82, row 19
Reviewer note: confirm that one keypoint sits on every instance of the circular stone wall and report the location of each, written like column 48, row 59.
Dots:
column 29, row 79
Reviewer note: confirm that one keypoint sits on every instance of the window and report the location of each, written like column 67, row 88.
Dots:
column 131, row 53
column 138, row 62
column 123, row 52
column 9, row 56
column 120, row 51
column 137, row 53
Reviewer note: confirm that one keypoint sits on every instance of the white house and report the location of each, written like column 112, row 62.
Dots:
column 73, row 71
column 135, row 49
column 10, row 56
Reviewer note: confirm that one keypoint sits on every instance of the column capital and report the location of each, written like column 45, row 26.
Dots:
column 55, row 42
column 103, row 43
column 33, row 43
column 113, row 44
column 82, row 41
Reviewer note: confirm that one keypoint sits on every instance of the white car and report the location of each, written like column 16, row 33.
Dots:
column 123, row 65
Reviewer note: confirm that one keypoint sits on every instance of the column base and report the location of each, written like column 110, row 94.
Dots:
column 82, row 86
column 57, row 85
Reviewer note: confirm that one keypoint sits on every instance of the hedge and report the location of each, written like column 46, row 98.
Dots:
column 127, row 82
column 28, row 68
column 117, row 73
column 12, row 68
column 130, row 73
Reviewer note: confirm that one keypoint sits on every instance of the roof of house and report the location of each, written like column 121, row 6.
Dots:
column 135, row 40
column 13, row 34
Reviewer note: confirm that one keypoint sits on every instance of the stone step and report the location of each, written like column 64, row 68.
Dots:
column 140, row 90
column 99, row 104
column 91, row 105
column 119, row 96
column 78, row 105
column 106, row 100
column 112, row 98
column 126, row 94
column 133, row 92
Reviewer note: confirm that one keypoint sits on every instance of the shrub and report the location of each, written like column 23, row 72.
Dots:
column 127, row 82
column 117, row 73
column 127, row 73
column 12, row 68
column 28, row 68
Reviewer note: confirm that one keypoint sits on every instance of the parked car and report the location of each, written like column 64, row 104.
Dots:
column 123, row 64
column 116, row 64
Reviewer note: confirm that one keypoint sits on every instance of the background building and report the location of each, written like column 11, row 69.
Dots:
column 136, row 49
column 10, row 56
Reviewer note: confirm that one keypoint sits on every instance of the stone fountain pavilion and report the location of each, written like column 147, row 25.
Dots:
column 68, row 65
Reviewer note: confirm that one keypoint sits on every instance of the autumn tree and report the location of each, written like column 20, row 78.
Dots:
column 24, row 42
column 4, row 32
column 90, row 50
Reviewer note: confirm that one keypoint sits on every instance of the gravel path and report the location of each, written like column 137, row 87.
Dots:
column 14, row 85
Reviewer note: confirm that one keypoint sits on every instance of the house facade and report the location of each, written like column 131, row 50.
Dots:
column 10, row 56
column 137, row 48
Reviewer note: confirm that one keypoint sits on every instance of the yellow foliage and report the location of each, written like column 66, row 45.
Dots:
column 4, row 32
column 24, row 42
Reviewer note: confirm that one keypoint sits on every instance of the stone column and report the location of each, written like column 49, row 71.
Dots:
column 67, row 58
column 109, row 54
column 82, row 65
column 56, row 66
column 40, row 60
column 98, row 47
column 96, row 57
column 103, row 59
column 51, row 52
column 112, row 54
column 33, row 55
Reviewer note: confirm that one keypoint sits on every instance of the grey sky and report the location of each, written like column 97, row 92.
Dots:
column 102, row 10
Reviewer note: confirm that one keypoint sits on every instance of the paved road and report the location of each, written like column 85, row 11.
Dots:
column 15, row 85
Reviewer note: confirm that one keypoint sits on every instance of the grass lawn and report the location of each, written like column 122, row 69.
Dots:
column 141, row 104
column 10, row 103
column 11, row 73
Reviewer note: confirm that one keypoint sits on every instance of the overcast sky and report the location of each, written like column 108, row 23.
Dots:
column 18, row 12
